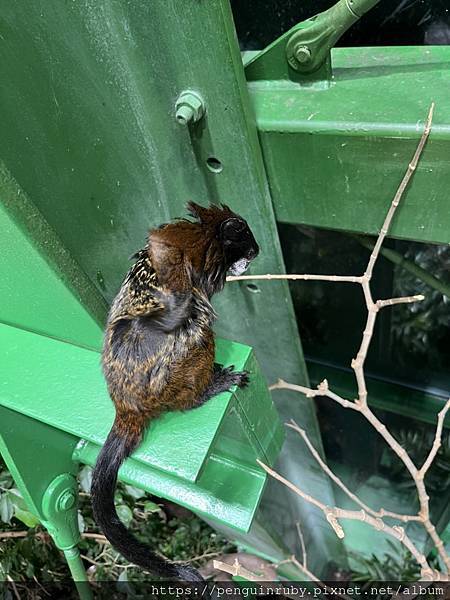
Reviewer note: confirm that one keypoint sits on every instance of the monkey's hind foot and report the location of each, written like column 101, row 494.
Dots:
column 227, row 377
column 223, row 379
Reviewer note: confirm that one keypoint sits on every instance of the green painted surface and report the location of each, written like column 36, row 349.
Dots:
column 98, row 152
column 22, row 441
column 41, row 286
column 204, row 458
column 334, row 157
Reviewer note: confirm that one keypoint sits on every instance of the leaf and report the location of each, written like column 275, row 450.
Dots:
column 85, row 478
column 5, row 479
column 81, row 523
column 151, row 507
column 134, row 492
column 124, row 513
column 26, row 517
column 6, row 508
column 17, row 499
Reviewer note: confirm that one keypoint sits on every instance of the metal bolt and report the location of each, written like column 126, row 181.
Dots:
column 66, row 500
column 302, row 54
column 189, row 108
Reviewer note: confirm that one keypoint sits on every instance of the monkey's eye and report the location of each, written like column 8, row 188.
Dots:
column 231, row 228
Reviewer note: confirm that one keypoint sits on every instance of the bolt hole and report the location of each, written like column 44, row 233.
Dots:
column 181, row 120
column 254, row 289
column 214, row 164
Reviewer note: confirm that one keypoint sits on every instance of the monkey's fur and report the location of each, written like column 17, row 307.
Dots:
column 158, row 352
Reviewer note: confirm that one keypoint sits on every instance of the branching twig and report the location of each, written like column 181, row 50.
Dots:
column 374, row 518
column 333, row 514
column 237, row 570
column 377, row 514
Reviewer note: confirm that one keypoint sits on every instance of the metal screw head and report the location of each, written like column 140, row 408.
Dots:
column 302, row 54
column 66, row 500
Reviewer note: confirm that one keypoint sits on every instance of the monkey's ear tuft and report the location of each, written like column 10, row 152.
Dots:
column 195, row 210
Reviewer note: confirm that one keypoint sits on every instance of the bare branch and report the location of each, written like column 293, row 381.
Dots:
column 377, row 514
column 333, row 514
column 237, row 570
column 437, row 440
column 398, row 196
column 302, row 542
column 322, row 390
column 403, row 300
column 303, row 277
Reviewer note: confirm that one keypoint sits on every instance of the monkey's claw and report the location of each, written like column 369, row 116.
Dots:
column 231, row 377
column 243, row 378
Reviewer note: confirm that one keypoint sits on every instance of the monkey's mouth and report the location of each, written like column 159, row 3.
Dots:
column 239, row 267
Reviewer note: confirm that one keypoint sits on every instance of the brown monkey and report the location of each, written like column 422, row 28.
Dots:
column 158, row 352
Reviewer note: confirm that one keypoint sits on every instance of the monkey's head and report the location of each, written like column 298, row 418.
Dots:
column 200, row 253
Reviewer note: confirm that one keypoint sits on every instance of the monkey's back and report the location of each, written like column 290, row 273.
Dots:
column 149, row 370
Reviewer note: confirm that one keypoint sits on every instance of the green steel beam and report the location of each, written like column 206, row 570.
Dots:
column 41, row 286
column 334, row 157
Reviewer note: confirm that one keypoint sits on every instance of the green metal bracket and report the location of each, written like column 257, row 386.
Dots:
column 308, row 48
column 59, row 506
column 303, row 54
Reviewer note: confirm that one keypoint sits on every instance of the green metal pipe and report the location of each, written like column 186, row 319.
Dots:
column 78, row 573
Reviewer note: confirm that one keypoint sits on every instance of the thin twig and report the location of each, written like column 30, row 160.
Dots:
column 403, row 300
column 322, row 390
column 333, row 514
column 296, row 276
column 398, row 196
column 302, row 542
column 95, row 536
column 377, row 514
column 237, row 570
column 437, row 441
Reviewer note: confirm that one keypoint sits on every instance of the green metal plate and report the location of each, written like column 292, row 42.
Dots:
column 335, row 155
column 41, row 287
column 62, row 385
column 204, row 459
column 225, row 493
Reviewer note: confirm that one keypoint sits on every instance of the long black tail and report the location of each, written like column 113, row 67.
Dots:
column 104, row 479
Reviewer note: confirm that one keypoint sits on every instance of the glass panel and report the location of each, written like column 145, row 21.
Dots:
column 411, row 343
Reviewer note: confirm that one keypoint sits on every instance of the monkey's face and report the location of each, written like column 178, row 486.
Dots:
column 239, row 245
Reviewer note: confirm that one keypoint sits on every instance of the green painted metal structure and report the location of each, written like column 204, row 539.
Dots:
column 99, row 144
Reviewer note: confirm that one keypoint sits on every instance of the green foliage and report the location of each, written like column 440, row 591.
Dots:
column 417, row 443
column 398, row 566
column 33, row 554
column 421, row 329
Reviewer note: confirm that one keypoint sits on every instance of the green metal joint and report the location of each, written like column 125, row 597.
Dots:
column 189, row 107
column 310, row 44
column 59, row 507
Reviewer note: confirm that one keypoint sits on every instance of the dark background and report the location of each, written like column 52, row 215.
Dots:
column 390, row 23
